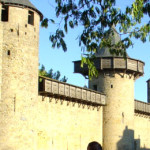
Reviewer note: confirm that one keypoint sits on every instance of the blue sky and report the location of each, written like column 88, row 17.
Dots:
column 62, row 61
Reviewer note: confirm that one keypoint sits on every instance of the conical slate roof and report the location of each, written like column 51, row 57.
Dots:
column 24, row 3
column 148, row 80
column 104, row 52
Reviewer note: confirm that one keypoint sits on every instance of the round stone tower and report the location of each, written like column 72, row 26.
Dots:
column 116, row 79
column 19, row 43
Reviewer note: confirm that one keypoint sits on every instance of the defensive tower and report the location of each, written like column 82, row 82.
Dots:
column 116, row 79
column 19, row 42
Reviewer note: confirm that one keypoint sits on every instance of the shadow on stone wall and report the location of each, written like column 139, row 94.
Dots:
column 128, row 142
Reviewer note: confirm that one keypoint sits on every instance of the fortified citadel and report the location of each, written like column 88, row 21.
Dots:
column 52, row 115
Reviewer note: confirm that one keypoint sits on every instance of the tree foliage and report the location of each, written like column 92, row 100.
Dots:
column 97, row 18
column 50, row 74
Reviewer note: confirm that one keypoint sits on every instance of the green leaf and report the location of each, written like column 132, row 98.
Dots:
column 44, row 23
column 71, row 24
column 97, row 10
column 52, row 20
column 66, row 27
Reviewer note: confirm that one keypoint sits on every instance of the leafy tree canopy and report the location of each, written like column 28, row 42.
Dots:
column 97, row 17
column 50, row 74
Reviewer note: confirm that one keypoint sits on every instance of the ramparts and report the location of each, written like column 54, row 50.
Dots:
column 142, row 108
column 54, row 88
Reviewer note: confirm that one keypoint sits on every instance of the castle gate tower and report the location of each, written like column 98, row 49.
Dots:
column 116, row 79
column 19, row 42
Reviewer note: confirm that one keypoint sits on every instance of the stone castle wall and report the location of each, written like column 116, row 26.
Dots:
column 27, row 122
column 1, row 44
column 142, row 131
column 19, row 79
column 64, row 125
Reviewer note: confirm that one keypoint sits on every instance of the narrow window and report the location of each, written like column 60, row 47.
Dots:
column 95, row 87
column 8, row 52
column 31, row 17
column 4, row 15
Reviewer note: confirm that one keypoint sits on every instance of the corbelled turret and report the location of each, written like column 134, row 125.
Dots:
column 107, row 61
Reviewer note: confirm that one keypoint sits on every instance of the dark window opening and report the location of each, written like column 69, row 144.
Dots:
column 31, row 17
column 95, row 87
column 111, row 86
column 8, row 52
column 4, row 15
